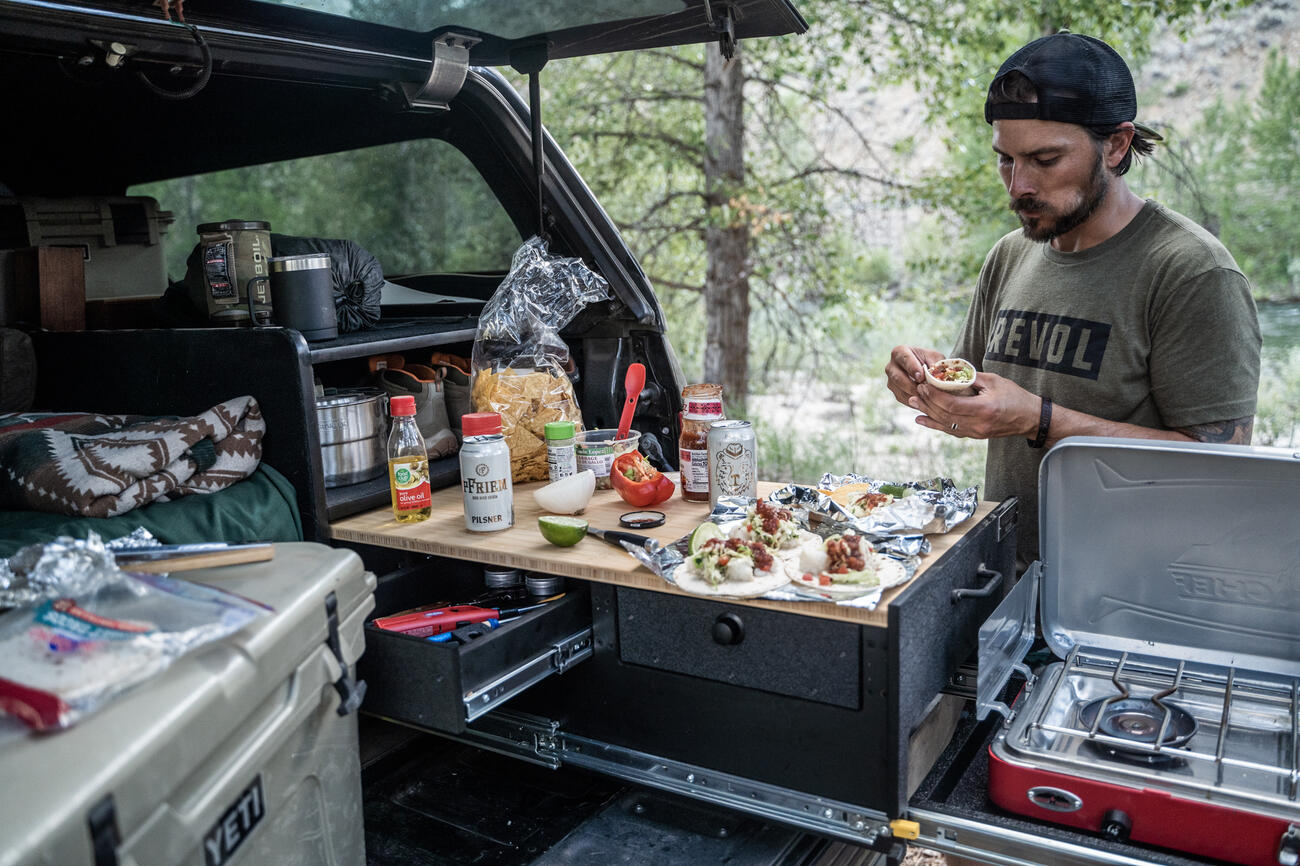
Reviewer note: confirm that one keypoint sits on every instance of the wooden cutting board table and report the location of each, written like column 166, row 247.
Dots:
column 523, row 547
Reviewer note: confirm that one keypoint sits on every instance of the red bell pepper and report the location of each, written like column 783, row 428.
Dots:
column 640, row 484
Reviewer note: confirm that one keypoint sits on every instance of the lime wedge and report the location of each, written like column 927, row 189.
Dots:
column 562, row 531
column 703, row 533
column 895, row 490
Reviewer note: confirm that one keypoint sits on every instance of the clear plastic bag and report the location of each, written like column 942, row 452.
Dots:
column 63, row 657
column 520, row 364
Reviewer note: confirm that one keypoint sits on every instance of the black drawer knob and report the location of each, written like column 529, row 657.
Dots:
column 728, row 630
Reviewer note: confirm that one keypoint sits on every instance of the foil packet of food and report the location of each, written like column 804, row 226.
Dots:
column 886, row 508
column 91, row 631
column 729, row 513
column 65, row 566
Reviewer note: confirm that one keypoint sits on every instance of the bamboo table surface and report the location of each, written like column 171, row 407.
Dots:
column 523, row 547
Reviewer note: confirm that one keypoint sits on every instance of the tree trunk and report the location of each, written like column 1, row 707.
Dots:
column 726, row 282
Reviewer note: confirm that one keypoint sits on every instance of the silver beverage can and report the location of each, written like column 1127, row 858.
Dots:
column 485, row 477
column 733, row 460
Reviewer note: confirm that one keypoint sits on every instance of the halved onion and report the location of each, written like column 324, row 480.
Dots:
column 568, row 495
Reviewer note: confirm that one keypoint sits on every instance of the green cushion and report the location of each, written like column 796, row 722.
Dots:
column 262, row 507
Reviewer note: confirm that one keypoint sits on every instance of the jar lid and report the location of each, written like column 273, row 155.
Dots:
column 544, row 585
column 498, row 578
column 480, row 424
column 401, row 405
column 236, row 226
column 559, row 429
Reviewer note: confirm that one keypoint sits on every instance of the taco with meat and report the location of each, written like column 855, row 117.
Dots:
column 845, row 566
column 955, row 375
column 860, row 500
column 770, row 524
column 731, row 568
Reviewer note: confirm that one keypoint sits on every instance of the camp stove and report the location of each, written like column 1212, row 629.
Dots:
column 1170, row 585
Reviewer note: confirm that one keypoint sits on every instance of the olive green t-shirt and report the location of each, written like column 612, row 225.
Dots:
column 1155, row 326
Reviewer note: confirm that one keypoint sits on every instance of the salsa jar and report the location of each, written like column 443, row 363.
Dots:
column 701, row 406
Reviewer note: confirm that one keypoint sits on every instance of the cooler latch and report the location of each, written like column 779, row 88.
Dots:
column 447, row 72
column 350, row 693
column 104, row 835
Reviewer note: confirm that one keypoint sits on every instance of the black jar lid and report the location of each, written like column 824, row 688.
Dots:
column 236, row 226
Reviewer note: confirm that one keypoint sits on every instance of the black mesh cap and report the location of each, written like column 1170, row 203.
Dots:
column 1079, row 79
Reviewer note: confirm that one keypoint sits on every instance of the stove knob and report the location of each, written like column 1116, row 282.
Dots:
column 1116, row 825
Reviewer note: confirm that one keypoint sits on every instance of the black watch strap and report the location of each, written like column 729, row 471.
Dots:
column 1044, row 424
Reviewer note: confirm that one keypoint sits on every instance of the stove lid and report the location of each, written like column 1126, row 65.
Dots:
column 1183, row 550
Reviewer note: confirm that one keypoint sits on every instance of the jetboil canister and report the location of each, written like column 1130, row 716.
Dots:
column 228, row 273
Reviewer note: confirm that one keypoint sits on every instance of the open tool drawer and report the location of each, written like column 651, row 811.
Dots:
column 444, row 686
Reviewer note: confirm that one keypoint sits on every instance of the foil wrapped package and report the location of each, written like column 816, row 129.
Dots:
column 65, row 567
column 932, row 506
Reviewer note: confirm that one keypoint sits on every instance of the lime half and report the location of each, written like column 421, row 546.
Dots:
column 703, row 533
column 561, row 530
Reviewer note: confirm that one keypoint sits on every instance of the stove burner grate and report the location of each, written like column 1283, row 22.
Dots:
column 1141, row 722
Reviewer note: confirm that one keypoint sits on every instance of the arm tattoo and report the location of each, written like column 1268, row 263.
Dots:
column 1235, row 432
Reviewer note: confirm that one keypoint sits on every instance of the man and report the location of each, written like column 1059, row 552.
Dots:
column 1105, row 315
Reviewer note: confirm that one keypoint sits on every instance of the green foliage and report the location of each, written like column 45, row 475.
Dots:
column 1244, row 185
column 418, row 206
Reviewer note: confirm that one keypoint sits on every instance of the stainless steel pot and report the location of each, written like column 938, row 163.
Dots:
column 353, row 426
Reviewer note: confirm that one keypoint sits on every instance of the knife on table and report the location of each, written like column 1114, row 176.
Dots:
column 185, row 557
column 615, row 536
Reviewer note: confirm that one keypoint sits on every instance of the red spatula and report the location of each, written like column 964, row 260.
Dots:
column 633, row 384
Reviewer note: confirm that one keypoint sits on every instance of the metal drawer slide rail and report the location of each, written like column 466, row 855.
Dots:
column 991, row 844
column 571, row 650
column 542, row 741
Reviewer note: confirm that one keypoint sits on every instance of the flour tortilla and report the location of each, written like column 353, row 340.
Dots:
column 890, row 571
column 689, row 580
column 953, row 387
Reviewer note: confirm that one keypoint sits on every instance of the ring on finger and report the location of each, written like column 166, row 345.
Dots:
column 954, row 425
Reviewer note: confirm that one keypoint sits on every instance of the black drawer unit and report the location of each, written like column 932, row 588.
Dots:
column 799, row 702
column 444, row 686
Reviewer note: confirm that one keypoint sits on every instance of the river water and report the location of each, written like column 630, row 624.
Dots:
column 1280, row 326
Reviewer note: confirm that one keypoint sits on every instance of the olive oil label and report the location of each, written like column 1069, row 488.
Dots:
column 410, row 480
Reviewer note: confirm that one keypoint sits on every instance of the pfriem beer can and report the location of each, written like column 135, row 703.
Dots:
column 485, row 474
column 733, row 460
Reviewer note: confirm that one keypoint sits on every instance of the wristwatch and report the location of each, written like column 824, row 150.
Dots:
column 1044, row 424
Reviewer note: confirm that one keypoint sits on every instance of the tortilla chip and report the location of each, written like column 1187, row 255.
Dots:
column 526, row 400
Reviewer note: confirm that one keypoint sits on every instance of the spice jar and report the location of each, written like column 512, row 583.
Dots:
column 561, row 458
column 701, row 406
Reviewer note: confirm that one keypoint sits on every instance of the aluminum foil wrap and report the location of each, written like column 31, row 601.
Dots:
column 932, row 506
column 729, row 511
column 66, row 567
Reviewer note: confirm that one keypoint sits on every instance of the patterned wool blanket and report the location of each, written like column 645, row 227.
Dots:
column 105, row 465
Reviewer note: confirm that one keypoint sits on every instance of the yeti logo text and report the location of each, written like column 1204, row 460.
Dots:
column 1058, row 343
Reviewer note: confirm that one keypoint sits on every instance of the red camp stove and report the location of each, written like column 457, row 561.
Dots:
column 1170, row 583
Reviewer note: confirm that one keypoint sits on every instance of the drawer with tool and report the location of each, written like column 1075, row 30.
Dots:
column 466, row 662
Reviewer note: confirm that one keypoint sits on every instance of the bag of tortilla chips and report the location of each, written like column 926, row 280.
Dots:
column 520, row 364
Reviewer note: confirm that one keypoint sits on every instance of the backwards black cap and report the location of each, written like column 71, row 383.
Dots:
column 1079, row 79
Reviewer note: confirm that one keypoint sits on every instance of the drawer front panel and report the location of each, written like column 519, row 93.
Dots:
column 787, row 654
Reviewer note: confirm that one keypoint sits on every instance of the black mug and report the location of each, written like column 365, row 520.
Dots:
column 302, row 295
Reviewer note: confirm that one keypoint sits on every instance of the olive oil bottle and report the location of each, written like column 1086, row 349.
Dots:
column 408, row 464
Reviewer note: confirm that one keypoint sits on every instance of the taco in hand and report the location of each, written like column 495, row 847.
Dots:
column 955, row 375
